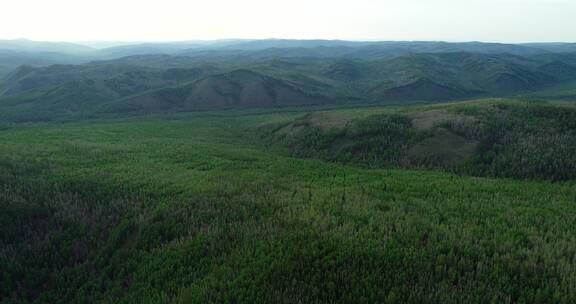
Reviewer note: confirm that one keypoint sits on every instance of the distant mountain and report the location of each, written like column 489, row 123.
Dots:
column 10, row 60
column 274, row 73
column 291, row 43
column 441, row 76
column 24, row 45
column 353, row 50
column 553, row 47
column 58, row 90
column 424, row 89
column 148, row 48
column 14, row 53
column 236, row 89
column 559, row 69
column 28, row 78
column 17, row 52
column 280, row 48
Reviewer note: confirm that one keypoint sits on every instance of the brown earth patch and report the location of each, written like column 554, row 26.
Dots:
column 429, row 119
column 326, row 121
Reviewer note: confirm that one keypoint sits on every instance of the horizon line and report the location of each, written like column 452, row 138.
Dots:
column 277, row 38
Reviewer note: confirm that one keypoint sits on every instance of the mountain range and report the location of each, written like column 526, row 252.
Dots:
column 44, row 80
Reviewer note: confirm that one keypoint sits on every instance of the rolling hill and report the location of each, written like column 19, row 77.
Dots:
column 235, row 89
column 190, row 208
column 493, row 138
column 14, row 53
column 289, row 171
column 25, row 45
column 274, row 73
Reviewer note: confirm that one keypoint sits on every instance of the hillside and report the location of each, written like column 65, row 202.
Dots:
column 37, row 93
column 15, row 53
column 237, row 89
column 11, row 60
column 187, row 208
column 485, row 138
column 148, row 83
column 283, row 48
column 25, row 45
column 37, row 53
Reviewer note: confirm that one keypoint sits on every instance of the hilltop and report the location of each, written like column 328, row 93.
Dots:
column 490, row 138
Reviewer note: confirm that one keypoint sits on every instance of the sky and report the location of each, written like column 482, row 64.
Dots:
column 176, row 20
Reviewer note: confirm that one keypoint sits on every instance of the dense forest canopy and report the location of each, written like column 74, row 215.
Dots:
column 288, row 171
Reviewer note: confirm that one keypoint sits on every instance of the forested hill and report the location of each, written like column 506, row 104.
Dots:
column 194, row 208
column 489, row 138
column 219, row 79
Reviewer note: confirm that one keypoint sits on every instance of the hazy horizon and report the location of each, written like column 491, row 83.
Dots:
column 111, row 43
column 505, row 21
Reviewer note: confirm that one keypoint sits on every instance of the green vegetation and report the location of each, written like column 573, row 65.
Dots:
column 239, row 79
column 189, row 209
column 110, row 193
column 533, row 140
column 564, row 91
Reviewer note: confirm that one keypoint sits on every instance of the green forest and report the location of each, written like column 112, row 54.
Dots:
column 287, row 171
column 469, row 202
column 492, row 138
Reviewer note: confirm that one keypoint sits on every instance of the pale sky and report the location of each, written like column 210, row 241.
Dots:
column 171, row 20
